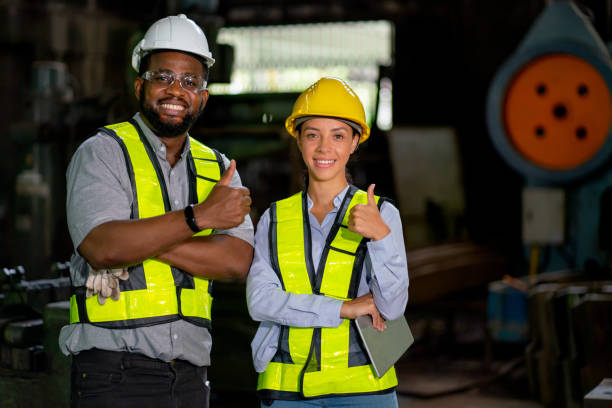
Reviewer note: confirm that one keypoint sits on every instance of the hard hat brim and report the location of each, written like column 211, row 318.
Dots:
column 290, row 124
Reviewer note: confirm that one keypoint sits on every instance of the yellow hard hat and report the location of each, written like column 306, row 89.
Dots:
column 333, row 98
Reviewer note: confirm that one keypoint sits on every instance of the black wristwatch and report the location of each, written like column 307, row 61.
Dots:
column 190, row 218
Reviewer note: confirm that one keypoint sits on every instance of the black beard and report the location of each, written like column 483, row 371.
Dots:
column 164, row 129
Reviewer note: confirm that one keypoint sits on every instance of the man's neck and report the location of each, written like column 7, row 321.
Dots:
column 174, row 145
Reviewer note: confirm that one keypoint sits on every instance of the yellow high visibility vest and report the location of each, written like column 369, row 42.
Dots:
column 155, row 292
column 314, row 362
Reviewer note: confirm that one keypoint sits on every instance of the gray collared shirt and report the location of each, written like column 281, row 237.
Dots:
column 98, row 191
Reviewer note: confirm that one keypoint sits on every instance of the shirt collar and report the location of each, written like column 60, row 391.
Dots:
column 337, row 199
column 158, row 146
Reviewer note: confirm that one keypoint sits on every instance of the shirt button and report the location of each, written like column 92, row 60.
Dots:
column 175, row 336
column 176, row 202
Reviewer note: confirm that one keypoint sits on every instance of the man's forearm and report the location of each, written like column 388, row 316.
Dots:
column 121, row 243
column 214, row 257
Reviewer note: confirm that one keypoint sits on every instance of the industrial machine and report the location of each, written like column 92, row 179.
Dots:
column 32, row 313
column 549, row 114
column 549, row 111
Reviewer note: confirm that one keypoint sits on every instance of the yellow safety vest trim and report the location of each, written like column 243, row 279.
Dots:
column 332, row 375
column 158, row 302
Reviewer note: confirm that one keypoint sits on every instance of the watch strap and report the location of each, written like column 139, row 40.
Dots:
column 190, row 218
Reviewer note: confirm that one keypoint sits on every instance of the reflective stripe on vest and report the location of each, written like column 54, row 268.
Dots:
column 316, row 360
column 155, row 292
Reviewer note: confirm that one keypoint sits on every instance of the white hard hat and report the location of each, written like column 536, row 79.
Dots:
column 173, row 33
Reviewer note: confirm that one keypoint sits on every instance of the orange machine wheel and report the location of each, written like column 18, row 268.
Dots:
column 558, row 111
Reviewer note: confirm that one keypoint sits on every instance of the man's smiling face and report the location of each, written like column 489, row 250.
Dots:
column 171, row 110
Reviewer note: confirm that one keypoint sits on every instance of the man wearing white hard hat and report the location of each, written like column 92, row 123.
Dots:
column 154, row 216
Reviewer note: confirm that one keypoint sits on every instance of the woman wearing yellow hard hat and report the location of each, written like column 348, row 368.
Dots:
column 323, row 257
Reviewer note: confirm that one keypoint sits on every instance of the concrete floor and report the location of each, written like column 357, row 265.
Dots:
column 467, row 399
column 440, row 373
column 466, row 383
column 476, row 386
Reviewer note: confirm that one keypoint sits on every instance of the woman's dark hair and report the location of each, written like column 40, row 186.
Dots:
column 145, row 61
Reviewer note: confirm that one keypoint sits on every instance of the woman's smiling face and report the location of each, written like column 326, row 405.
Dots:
column 326, row 145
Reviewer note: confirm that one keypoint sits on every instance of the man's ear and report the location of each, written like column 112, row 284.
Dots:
column 204, row 99
column 138, row 84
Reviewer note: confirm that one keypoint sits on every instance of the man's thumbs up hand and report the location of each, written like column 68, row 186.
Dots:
column 227, row 175
column 225, row 207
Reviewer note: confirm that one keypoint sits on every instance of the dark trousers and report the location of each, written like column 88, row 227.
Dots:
column 121, row 380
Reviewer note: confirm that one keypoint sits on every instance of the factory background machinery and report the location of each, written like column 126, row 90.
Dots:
column 523, row 191
column 549, row 114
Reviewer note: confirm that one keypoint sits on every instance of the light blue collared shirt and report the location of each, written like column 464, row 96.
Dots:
column 385, row 274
